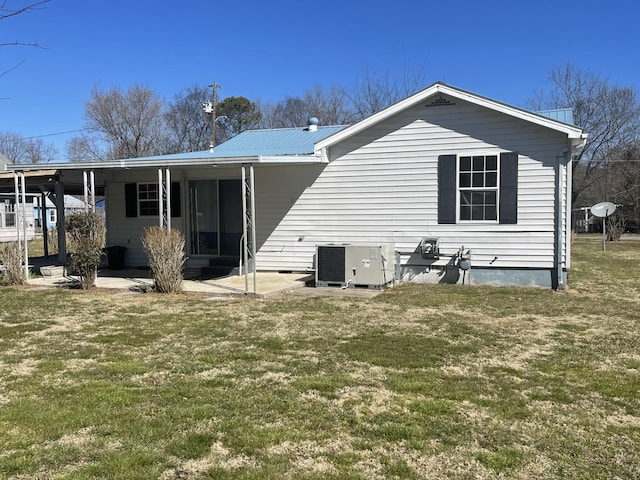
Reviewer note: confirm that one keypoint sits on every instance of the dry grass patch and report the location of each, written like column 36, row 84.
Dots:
column 437, row 382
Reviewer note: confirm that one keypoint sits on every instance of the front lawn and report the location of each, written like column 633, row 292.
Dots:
column 438, row 382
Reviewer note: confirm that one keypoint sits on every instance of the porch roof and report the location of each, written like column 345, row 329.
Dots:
column 275, row 146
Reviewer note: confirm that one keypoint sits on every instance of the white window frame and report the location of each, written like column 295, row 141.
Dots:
column 471, row 188
column 150, row 201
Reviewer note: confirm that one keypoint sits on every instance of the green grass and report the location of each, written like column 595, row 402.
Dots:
column 423, row 381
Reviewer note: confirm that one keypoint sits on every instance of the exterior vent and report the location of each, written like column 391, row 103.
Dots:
column 440, row 102
column 312, row 124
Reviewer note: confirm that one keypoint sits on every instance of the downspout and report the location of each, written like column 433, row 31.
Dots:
column 560, row 217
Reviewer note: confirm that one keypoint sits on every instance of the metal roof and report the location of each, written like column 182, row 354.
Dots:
column 274, row 142
column 564, row 115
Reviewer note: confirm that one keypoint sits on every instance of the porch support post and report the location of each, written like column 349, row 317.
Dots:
column 253, row 227
column 44, row 219
column 164, row 198
column 85, row 191
column 160, row 200
column 62, row 239
column 24, row 225
column 20, row 217
column 245, row 250
column 16, row 208
column 167, row 189
column 89, row 191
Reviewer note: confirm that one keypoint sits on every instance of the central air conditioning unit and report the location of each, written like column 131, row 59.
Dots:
column 355, row 265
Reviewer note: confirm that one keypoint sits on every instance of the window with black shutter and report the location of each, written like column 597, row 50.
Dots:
column 142, row 199
column 478, row 188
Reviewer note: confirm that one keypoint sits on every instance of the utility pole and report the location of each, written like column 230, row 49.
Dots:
column 214, row 101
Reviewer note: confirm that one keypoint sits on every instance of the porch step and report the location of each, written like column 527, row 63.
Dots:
column 216, row 272
column 224, row 261
column 221, row 266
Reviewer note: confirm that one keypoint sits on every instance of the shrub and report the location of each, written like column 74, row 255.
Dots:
column 52, row 240
column 13, row 264
column 165, row 250
column 87, row 235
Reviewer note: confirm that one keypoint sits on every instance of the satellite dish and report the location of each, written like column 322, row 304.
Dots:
column 603, row 209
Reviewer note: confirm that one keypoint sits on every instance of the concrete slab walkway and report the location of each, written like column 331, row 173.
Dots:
column 267, row 283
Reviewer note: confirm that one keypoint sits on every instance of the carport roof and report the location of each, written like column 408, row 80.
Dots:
column 283, row 145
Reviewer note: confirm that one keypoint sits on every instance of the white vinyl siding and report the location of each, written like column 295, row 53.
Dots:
column 381, row 186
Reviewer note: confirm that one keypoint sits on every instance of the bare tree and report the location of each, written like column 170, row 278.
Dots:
column 6, row 12
column 26, row 150
column 622, row 182
column 85, row 148
column 130, row 122
column 331, row 106
column 37, row 151
column 189, row 129
column 11, row 146
column 376, row 92
column 610, row 114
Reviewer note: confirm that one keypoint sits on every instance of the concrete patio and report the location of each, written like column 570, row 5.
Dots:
column 140, row 280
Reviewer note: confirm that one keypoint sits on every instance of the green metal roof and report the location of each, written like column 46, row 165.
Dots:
column 274, row 142
column 564, row 115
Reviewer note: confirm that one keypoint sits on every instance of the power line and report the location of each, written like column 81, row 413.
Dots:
column 55, row 134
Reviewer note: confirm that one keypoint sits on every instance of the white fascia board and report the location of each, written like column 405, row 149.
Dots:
column 133, row 163
column 159, row 163
column 569, row 130
column 290, row 159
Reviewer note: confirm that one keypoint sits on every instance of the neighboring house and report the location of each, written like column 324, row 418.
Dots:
column 443, row 179
column 71, row 205
column 10, row 219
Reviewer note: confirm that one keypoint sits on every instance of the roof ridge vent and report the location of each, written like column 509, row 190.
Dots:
column 312, row 124
column 440, row 102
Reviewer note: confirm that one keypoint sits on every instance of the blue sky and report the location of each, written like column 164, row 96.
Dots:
column 271, row 49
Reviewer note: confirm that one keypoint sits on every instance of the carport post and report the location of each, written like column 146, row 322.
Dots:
column 160, row 200
column 20, row 212
column 253, row 227
column 44, row 219
column 62, row 239
column 89, row 191
column 164, row 198
column 24, row 225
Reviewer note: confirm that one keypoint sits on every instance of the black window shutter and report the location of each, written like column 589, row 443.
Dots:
column 131, row 199
column 175, row 199
column 447, row 188
column 509, row 187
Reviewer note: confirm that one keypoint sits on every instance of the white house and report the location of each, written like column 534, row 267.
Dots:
column 444, row 180
column 11, row 219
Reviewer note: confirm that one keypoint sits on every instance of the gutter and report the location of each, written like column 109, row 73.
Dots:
column 165, row 163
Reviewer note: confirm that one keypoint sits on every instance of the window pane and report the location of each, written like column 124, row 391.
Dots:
column 490, row 212
column 492, row 162
column 478, row 180
column 465, row 198
column 477, row 212
column 465, row 213
column 490, row 198
column 465, row 180
column 478, row 163
column 491, row 179
column 148, row 199
column 477, row 198
column 465, row 164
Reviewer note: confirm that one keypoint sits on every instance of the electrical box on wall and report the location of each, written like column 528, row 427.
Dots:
column 355, row 265
column 430, row 248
